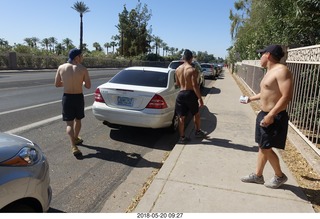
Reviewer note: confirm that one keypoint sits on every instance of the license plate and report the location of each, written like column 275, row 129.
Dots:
column 125, row 101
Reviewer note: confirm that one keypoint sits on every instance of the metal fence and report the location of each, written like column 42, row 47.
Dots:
column 304, row 109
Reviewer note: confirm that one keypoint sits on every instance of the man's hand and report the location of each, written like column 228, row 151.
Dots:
column 267, row 120
column 201, row 102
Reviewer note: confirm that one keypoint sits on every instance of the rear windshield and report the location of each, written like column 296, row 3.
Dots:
column 141, row 78
column 175, row 65
column 206, row 66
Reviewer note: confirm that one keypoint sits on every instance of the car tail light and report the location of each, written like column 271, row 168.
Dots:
column 157, row 102
column 97, row 96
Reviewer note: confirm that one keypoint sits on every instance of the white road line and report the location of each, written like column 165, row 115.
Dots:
column 34, row 106
column 37, row 124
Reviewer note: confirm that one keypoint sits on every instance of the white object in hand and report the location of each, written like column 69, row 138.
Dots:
column 244, row 99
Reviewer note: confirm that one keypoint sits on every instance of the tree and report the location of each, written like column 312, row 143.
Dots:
column 60, row 49
column 67, row 42
column 82, row 9
column 113, row 44
column 45, row 42
column 134, row 37
column 164, row 47
column 28, row 41
column 97, row 46
column 107, row 45
column 3, row 43
column 287, row 22
column 52, row 43
column 157, row 43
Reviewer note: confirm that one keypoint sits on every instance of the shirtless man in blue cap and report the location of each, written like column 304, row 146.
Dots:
column 72, row 76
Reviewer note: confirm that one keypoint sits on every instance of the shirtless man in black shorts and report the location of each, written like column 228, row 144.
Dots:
column 189, row 97
column 72, row 76
column 276, row 90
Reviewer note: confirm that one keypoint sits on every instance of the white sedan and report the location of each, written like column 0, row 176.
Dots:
column 139, row 97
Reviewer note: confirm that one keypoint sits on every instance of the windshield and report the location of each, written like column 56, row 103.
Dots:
column 141, row 78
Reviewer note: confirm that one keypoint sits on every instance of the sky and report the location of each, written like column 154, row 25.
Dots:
column 201, row 25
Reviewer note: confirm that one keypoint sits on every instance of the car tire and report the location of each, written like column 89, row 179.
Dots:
column 174, row 125
column 203, row 83
column 19, row 208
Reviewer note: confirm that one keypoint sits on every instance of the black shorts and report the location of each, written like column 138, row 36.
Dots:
column 274, row 135
column 72, row 107
column 186, row 101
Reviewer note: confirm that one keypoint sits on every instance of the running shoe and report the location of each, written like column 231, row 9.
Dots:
column 184, row 140
column 276, row 181
column 76, row 152
column 200, row 134
column 253, row 178
column 78, row 141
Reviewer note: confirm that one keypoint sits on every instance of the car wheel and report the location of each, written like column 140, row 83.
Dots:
column 204, row 82
column 19, row 208
column 175, row 124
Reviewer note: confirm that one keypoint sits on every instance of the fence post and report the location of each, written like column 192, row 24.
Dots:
column 12, row 60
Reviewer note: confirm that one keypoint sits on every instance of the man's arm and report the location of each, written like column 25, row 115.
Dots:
column 177, row 82
column 58, row 81
column 196, row 89
column 253, row 98
column 87, row 81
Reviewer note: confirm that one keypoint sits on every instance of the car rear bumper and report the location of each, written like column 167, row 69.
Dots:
column 133, row 118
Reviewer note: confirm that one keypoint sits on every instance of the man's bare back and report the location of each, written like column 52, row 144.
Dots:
column 276, row 89
column 186, row 77
column 71, row 78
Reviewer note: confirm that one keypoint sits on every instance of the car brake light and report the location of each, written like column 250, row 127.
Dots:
column 157, row 102
column 97, row 96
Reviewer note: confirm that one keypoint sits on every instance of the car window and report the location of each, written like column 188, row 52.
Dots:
column 205, row 66
column 141, row 78
column 175, row 65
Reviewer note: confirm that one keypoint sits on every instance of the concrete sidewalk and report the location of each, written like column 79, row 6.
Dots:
column 204, row 175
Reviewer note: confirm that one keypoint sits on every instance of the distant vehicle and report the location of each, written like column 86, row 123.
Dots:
column 209, row 70
column 201, row 79
column 24, row 176
column 139, row 97
column 219, row 68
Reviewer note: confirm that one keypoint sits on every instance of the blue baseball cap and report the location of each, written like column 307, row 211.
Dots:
column 73, row 53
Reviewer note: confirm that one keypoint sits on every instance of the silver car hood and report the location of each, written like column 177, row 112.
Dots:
column 10, row 145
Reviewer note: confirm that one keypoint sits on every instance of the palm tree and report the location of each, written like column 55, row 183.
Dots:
column 52, row 43
column 3, row 43
column 45, row 42
column 107, row 45
column 29, row 41
column 35, row 40
column 113, row 44
column 81, row 8
column 67, row 42
column 97, row 46
column 157, row 42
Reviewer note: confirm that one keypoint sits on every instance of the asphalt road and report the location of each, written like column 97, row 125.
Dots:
column 30, row 106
